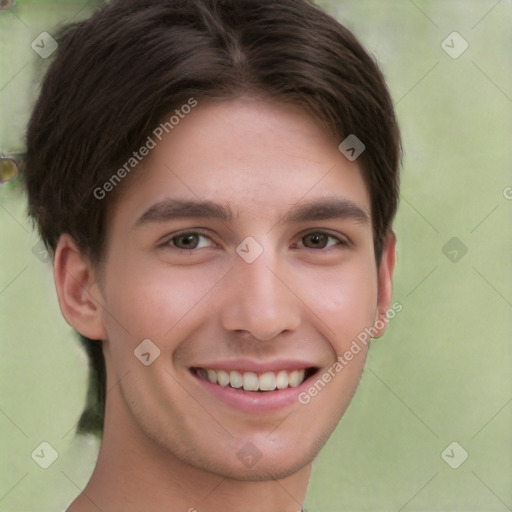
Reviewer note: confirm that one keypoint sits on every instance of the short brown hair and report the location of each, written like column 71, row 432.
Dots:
column 119, row 72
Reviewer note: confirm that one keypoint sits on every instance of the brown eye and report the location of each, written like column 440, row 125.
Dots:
column 316, row 240
column 186, row 241
column 189, row 241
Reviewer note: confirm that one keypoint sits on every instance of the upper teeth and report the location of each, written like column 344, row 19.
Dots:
column 251, row 381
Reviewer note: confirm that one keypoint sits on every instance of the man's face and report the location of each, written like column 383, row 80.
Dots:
column 243, row 249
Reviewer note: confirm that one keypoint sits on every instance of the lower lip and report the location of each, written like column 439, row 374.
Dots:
column 254, row 401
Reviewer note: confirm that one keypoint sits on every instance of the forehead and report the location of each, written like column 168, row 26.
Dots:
column 255, row 156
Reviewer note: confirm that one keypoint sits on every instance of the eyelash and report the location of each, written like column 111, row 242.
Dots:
column 168, row 243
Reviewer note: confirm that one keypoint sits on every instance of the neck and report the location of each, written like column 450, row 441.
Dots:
column 134, row 473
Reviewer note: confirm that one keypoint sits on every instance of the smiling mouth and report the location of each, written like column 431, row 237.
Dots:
column 255, row 382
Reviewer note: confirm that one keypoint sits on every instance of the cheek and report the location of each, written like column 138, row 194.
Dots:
column 343, row 299
column 149, row 301
column 345, row 303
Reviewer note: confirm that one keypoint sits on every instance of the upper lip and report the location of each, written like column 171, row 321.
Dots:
column 251, row 365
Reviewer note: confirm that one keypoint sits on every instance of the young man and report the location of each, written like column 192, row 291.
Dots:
column 216, row 181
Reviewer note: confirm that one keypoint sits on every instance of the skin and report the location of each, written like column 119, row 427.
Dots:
column 168, row 443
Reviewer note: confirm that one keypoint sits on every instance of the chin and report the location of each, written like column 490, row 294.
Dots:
column 260, row 472
column 273, row 465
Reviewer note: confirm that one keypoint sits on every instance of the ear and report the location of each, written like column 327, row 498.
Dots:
column 75, row 280
column 385, row 283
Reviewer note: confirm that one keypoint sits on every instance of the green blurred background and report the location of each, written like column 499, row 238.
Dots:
column 443, row 371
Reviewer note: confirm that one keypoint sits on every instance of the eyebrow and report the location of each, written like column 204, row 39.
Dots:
column 325, row 209
column 169, row 209
column 319, row 209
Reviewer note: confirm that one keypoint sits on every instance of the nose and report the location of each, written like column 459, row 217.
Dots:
column 259, row 300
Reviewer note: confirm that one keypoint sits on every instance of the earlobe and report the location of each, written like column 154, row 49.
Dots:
column 385, row 282
column 78, row 293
